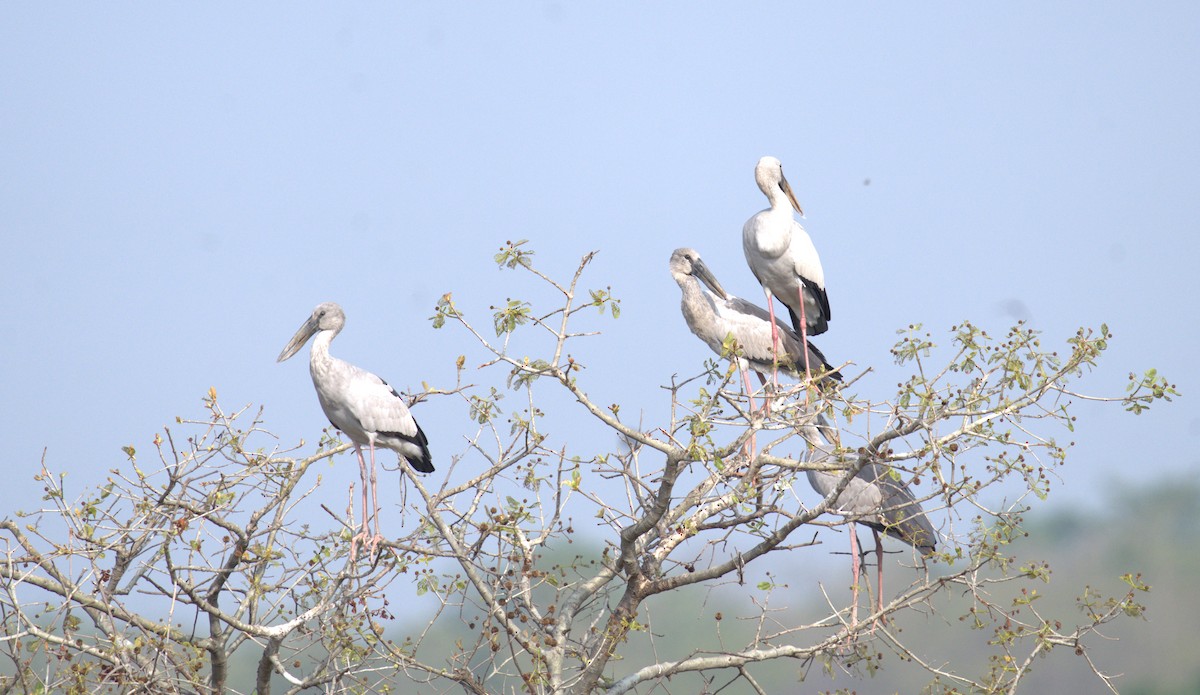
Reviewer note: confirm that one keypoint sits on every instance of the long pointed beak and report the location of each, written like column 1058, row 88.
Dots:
column 702, row 273
column 787, row 188
column 306, row 331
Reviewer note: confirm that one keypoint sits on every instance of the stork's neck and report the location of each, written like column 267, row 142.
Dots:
column 695, row 299
column 320, row 360
column 780, row 204
column 689, row 285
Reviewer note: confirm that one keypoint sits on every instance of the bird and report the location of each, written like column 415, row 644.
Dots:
column 714, row 315
column 360, row 404
column 877, row 499
column 782, row 256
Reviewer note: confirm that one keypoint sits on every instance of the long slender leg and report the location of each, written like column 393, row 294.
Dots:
column 753, row 443
column 746, row 382
column 774, row 337
column 877, row 605
column 375, row 501
column 804, row 340
column 879, row 570
column 767, row 397
column 362, row 471
column 856, row 567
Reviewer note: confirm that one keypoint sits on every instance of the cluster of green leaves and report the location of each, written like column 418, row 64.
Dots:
column 514, row 254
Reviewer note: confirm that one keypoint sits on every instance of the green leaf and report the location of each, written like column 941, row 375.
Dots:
column 512, row 255
column 513, row 314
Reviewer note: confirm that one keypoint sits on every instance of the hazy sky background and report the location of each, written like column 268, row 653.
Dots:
column 182, row 184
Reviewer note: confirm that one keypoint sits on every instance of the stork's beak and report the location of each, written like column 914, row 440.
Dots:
column 306, row 331
column 787, row 188
column 702, row 273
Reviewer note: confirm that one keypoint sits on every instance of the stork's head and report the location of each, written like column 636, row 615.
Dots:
column 685, row 262
column 768, row 174
column 326, row 317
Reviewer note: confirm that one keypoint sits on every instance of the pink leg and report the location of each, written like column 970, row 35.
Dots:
column 804, row 341
column 877, row 605
column 363, row 535
column 766, row 399
column 746, row 381
column 856, row 567
column 774, row 337
column 879, row 570
column 375, row 501
column 752, row 445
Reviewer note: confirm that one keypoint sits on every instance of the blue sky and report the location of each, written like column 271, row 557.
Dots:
column 182, row 184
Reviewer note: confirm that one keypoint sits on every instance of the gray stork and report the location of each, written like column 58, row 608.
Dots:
column 362, row 406
column 876, row 499
column 782, row 256
column 713, row 315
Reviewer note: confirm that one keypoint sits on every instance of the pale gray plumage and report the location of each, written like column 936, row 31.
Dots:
column 713, row 314
column 874, row 498
column 357, row 402
column 361, row 405
column 781, row 254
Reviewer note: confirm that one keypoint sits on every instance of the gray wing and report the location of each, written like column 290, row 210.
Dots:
column 859, row 499
column 900, row 515
column 381, row 410
column 877, row 499
column 751, row 326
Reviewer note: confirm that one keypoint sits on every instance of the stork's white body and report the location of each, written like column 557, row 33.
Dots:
column 782, row 255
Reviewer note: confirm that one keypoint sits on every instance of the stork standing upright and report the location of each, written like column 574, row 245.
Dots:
column 783, row 259
column 713, row 315
column 875, row 498
column 362, row 406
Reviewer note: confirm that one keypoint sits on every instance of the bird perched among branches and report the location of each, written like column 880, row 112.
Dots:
column 714, row 316
column 876, row 498
column 782, row 256
column 362, row 406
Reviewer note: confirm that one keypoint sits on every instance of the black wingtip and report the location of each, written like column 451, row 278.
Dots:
column 818, row 321
column 817, row 327
column 423, row 464
column 795, row 320
column 830, row 377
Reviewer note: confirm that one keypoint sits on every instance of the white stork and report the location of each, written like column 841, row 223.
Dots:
column 362, row 406
column 782, row 256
